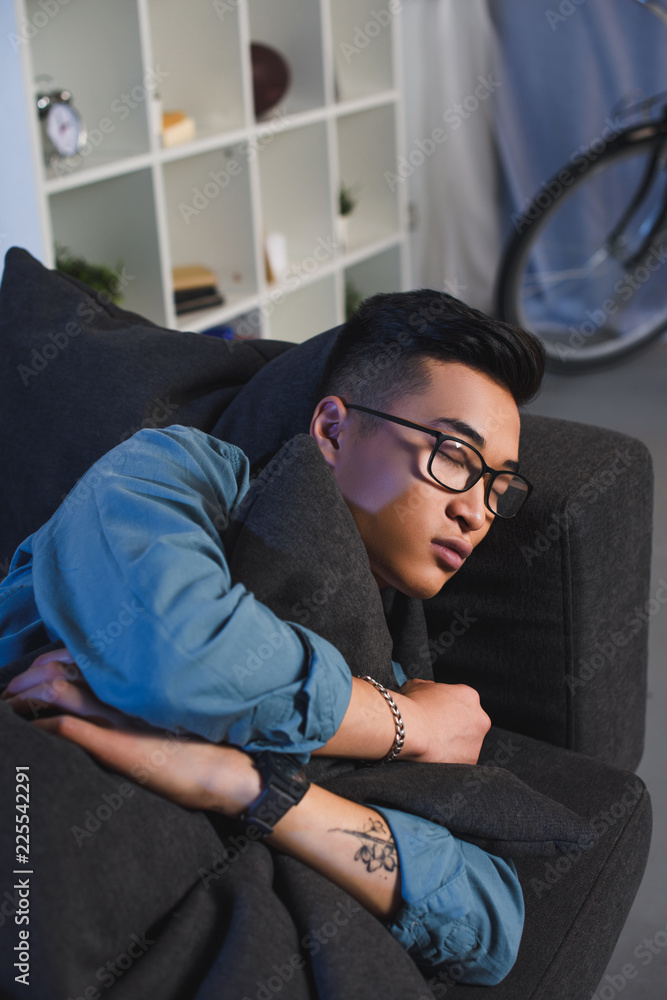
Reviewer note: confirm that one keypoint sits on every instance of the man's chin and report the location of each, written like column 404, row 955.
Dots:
column 423, row 588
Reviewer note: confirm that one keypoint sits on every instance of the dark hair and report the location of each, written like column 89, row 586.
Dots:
column 380, row 352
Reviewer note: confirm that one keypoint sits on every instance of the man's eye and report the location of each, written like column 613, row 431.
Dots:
column 452, row 456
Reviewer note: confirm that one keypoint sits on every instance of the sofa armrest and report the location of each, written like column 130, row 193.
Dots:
column 549, row 618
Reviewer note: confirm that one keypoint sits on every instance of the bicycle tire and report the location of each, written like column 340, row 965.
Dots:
column 573, row 318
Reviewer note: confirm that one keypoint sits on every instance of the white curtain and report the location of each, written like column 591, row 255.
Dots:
column 451, row 86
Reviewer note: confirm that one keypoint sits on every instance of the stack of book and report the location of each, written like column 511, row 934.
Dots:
column 195, row 287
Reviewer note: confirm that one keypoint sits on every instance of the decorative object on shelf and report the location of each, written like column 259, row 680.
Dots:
column 177, row 127
column 223, row 331
column 347, row 202
column 195, row 287
column 63, row 131
column 102, row 278
column 215, row 196
column 353, row 298
column 277, row 260
column 270, row 77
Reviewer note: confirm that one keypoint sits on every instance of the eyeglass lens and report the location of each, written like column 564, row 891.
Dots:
column 458, row 467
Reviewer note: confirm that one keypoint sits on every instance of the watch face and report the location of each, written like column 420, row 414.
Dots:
column 63, row 128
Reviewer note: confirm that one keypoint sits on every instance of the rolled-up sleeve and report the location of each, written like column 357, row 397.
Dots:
column 131, row 574
column 462, row 909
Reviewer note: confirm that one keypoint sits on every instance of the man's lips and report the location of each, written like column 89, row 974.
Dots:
column 452, row 550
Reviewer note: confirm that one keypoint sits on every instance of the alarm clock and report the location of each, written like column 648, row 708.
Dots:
column 63, row 131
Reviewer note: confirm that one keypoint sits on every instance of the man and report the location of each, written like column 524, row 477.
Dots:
column 417, row 418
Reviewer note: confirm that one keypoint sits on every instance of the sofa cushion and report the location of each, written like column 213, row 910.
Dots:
column 277, row 402
column 294, row 544
column 78, row 375
column 575, row 675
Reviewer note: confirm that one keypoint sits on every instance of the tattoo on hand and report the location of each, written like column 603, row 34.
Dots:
column 378, row 849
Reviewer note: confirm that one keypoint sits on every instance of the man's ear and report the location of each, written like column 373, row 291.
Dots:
column 330, row 427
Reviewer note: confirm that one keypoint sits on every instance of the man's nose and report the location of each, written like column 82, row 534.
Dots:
column 470, row 505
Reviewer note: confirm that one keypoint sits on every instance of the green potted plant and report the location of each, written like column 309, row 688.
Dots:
column 347, row 202
column 100, row 277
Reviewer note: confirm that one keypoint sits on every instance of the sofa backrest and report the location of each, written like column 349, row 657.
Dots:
column 548, row 620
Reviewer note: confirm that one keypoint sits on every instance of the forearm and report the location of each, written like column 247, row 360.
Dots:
column 368, row 731
column 351, row 844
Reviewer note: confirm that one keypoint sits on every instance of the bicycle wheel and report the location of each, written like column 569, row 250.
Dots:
column 585, row 270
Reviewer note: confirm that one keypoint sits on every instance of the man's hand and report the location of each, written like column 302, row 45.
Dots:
column 444, row 724
column 190, row 771
column 53, row 680
column 449, row 726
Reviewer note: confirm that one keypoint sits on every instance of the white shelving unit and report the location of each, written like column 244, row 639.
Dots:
column 214, row 200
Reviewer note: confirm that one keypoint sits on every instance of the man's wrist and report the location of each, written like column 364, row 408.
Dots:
column 415, row 742
column 238, row 784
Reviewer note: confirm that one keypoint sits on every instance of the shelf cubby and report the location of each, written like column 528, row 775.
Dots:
column 363, row 48
column 210, row 221
column 294, row 29
column 109, row 92
column 367, row 153
column 198, row 49
column 111, row 221
column 214, row 199
column 296, row 195
column 381, row 273
column 309, row 310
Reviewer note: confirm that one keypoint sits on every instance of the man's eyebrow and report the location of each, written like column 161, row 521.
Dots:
column 463, row 428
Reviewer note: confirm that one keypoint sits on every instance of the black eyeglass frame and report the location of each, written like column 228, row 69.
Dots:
column 440, row 436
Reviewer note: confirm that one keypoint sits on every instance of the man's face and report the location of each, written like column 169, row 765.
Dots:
column 416, row 532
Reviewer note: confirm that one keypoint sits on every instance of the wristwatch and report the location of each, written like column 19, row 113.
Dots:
column 284, row 786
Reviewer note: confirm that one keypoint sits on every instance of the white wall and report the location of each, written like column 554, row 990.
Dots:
column 450, row 89
column 19, row 215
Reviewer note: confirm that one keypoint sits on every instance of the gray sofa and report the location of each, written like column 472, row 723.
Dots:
column 548, row 622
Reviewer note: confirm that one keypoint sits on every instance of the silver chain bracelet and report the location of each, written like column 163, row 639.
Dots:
column 398, row 720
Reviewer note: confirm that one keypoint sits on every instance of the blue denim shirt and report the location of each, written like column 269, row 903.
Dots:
column 130, row 574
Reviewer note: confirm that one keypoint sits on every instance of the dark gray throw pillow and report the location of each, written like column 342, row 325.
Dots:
column 293, row 542
column 78, row 375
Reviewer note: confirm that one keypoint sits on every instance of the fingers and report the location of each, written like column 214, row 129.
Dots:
column 117, row 749
column 43, row 670
column 179, row 770
column 62, row 694
column 62, row 654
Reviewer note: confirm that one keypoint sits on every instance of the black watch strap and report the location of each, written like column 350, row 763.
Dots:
column 284, row 787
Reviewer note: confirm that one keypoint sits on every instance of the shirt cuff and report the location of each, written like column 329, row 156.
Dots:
column 460, row 905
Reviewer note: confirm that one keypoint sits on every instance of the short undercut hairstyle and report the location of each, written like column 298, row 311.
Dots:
column 380, row 353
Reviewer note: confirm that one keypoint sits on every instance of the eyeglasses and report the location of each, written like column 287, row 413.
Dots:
column 457, row 466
